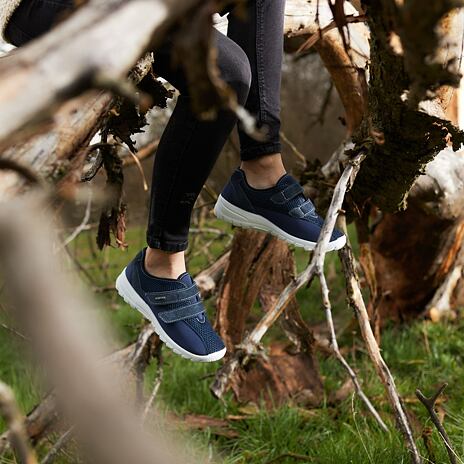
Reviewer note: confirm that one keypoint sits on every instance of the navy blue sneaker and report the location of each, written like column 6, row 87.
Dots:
column 282, row 210
column 174, row 308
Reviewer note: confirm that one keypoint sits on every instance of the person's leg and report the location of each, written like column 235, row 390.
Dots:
column 185, row 157
column 154, row 282
column 260, row 35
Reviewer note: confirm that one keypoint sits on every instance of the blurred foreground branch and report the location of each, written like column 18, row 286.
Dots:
column 69, row 342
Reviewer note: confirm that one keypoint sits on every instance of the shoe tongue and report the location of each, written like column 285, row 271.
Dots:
column 185, row 278
column 285, row 181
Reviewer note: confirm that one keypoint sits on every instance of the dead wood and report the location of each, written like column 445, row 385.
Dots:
column 357, row 303
column 208, row 280
column 58, row 446
column 103, row 39
column 347, row 72
column 58, row 154
column 251, row 254
column 37, row 423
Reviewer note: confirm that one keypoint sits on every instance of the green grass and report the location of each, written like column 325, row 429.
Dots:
column 420, row 355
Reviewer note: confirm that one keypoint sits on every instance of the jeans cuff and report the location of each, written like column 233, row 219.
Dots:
column 166, row 245
column 251, row 153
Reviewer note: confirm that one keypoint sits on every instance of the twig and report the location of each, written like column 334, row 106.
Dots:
column 142, row 154
column 14, row 332
column 80, row 267
column 14, row 419
column 59, row 445
column 429, row 404
column 157, row 383
column 140, row 169
column 316, row 36
column 83, row 225
column 357, row 303
column 301, row 158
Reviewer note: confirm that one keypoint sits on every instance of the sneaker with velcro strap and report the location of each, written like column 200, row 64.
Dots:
column 282, row 210
column 175, row 309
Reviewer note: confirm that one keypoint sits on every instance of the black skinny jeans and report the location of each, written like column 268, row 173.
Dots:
column 249, row 60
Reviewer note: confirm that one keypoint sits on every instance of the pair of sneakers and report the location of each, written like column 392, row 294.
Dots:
column 174, row 306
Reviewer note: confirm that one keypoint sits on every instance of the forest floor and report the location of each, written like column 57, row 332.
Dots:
column 421, row 355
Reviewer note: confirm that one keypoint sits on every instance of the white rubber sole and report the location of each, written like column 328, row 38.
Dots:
column 132, row 298
column 239, row 217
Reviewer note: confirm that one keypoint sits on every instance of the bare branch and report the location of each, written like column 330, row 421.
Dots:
column 429, row 404
column 58, row 446
column 70, row 342
column 357, row 303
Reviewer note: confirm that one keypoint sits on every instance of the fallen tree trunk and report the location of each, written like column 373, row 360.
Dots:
column 95, row 47
column 59, row 152
column 400, row 134
column 412, row 253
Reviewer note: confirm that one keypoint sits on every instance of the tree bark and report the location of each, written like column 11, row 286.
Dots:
column 260, row 267
column 400, row 135
column 415, row 250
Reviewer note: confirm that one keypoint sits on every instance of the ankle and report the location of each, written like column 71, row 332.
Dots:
column 265, row 171
column 159, row 263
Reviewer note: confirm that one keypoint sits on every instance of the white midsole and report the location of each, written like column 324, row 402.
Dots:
column 242, row 218
column 132, row 298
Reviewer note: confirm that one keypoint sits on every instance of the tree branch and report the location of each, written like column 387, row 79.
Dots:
column 429, row 404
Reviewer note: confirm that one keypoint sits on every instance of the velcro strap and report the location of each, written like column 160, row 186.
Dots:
column 305, row 209
column 287, row 194
column 172, row 296
column 179, row 314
